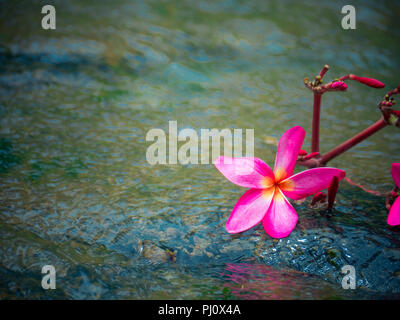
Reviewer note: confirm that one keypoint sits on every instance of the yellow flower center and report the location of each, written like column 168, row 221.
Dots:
column 280, row 174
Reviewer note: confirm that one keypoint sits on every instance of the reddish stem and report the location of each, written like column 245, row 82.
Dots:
column 380, row 124
column 345, row 77
column 390, row 196
column 376, row 193
column 387, row 203
column 316, row 122
column 332, row 191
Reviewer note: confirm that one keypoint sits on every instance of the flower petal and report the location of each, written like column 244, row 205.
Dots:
column 308, row 182
column 246, row 172
column 249, row 210
column 396, row 173
column 394, row 213
column 281, row 218
column 288, row 149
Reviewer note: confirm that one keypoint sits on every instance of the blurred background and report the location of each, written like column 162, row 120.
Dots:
column 77, row 192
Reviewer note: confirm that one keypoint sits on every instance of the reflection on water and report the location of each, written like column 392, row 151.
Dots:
column 76, row 190
column 255, row 281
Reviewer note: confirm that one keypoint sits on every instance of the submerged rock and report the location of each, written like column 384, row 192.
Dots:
column 155, row 253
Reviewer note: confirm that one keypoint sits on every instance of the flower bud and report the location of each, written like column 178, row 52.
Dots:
column 368, row 81
column 302, row 153
column 332, row 190
column 318, row 197
column 311, row 155
column 337, row 85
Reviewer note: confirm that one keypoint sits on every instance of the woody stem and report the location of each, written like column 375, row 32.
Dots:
column 316, row 122
column 380, row 124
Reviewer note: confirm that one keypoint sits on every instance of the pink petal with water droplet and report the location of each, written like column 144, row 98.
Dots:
column 394, row 213
column 308, row 182
column 249, row 210
column 246, row 172
column 288, row 150
column 281, row 218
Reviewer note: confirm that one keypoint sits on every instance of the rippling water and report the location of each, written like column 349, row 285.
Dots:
column 76, row 189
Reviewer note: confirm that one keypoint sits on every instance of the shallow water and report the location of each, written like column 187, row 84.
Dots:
column 76, row 189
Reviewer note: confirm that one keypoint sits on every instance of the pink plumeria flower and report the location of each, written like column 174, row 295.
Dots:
column 266, row 199
column 394, row 213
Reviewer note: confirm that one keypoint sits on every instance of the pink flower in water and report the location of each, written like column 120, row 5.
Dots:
column 394, row 213
column 266, row 199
